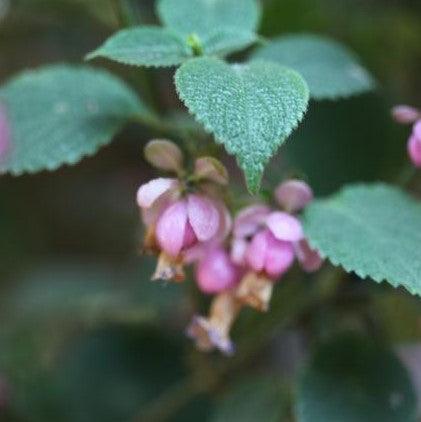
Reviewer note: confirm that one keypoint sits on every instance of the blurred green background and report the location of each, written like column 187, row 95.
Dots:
column 83, row 335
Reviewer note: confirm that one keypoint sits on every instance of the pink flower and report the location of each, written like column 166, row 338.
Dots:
column 216, row 272
column 414, row 150
column 405, row 114
column 293, row 195
column 268, row 255
column 4, row 132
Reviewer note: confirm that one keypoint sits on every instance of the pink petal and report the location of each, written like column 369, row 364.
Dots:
column 309, row 259
column 151, row 191
column 256, row 251
column 405, row 114
column 4, row 132
column 417, row 130
column 279, row 257
column 238, row 250
column 203, row 217
column 171, row 228
column 284, row 226
column 216, row 272
column 414, row 150
column 248, row 221
column 293, row 195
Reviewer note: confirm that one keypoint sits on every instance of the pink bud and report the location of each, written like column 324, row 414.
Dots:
column 173, row 231
column 216, row 272
column 284, row 226
column 293, row 195
column 250, row 219
column 405, row 114
column 4, row 132
column 414, row 150
column 164, row 155
column 309, row 259
column 269, row 255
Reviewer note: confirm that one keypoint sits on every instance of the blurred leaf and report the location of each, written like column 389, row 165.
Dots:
column 340, row 143
column 251, row 127
column 372, row 230
column 77, row 292
column 145, row 46
column 252, row 400
column 202, row 17
column 59, row 114
column 351, row 379
column 157, row 46
column 330, row 70
column 112, row 374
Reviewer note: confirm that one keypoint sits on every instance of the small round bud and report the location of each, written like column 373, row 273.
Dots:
column 405, row 114
column 164, row 155
column 209, row 168
column 293, row 195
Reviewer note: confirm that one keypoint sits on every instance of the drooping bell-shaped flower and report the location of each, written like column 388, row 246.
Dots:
column 216, row 273
column 293, row 195
column 405, row 114
column 213, row 332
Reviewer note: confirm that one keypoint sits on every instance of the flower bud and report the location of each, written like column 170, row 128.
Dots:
column 414, row 150
column 405, row 114
column 293, row 195
column 164, row 155
column 309, row 259
column 216, row 272
column 209, row 168
column 213, row 332
column 284, row 226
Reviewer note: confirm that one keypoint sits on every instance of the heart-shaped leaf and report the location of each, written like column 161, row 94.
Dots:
column 330, row 69
column 351, row 379
column 203, row 16
column 373, row 230
column 250, row 108
column 59, row 114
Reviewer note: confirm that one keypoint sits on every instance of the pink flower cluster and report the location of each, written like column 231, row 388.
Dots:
column 409, row 115
column 238, row 260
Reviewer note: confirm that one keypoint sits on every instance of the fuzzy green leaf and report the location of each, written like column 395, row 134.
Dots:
column 351, row 379
column 59, row 114
column 373, row 230
column 203, row 16
column 250, row 108
column 156, row 46
column 145, row 46
column 330, row 69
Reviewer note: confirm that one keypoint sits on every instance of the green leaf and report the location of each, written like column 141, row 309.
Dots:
column 145, row 46
column 351, row 379
column 60, row 114
column 156, row 46
column 203, row 16
column 252, row 400
column 250, row 108
column 373, row 230
column 330, row 69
